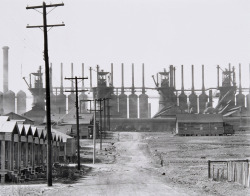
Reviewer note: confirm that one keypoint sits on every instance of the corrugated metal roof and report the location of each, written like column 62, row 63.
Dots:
column 199, row 118
column 4, row 118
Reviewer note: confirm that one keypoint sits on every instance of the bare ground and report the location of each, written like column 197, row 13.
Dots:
column 134, row 164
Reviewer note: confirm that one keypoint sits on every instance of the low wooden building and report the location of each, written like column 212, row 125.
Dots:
column 199, row 124
column 23, row 149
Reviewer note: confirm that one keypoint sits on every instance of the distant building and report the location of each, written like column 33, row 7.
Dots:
column 19, row 118
column 199, row 124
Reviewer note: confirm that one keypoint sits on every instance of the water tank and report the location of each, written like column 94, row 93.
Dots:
column 9, row 102
column 143, row 105
column 183, row 102
column 203, row 99
column 21, row 102
column 83, row 105
column 113, row 102
column 71, row 101
column 240, row 100
column 123, row 105
column 61, row 104
column 133, row 113
column 193, row 102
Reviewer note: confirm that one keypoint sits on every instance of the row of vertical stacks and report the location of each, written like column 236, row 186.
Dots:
column 83, row 96
column 182, row 97
column 193, row 96
column 123, row 99
column 61, row 98
column 113, row 102
column 240, row 98
column 203, row 98
column 133, row 105
column 143, row 99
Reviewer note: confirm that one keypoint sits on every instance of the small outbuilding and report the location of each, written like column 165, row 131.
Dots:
column 199, row 124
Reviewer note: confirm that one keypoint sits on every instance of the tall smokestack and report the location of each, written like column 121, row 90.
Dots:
column 90, row 76
column 234, row 83
column 61, row 88
column 218, row 76
column 203, row 85
column 143, row 81
column 230, row 79
column 174, row 77
column 72, row 75
column 182, row 79
column 192, row 78
column 82, row 76
column 240, row 87
column 112, row 74
column 97, row 74
column 122, row 79
column 5, row 69
column 171, row 75
column 133, row 84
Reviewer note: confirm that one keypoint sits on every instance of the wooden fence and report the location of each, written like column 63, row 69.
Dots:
column 231, row 171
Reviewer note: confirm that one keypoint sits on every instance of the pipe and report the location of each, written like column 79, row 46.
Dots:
column 230, row 74
column 182, row 79
column 240, row 87
column 90, row 76
column 112, row 74
column 97, row 74
column 171, row 75
column 203, row 85
column 192, row 78
column 72, row 75
column 82, row 76
column 5, row 69
column 133, row 85
column 234, row 84
column 143, row 81
column 218, row 76
column 61, row 89
column 174, row 76
column 122, row 79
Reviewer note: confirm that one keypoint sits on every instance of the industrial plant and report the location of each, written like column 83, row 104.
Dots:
column 183, row 112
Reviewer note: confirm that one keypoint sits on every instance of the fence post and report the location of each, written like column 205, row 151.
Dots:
column 209, row 175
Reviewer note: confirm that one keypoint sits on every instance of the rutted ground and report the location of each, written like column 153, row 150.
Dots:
column 134, row 164
column 132, row 173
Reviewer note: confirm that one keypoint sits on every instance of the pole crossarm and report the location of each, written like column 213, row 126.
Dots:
column 95, row 110
column 40, row 6
column 77, row 78
column 41, row 26
column 75, row 91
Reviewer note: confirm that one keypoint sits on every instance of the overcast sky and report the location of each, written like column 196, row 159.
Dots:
column 154, row 32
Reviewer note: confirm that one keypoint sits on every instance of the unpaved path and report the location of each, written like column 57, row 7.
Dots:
column 131, row 174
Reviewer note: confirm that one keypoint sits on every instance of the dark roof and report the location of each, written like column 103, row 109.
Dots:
column 16, row 116
column 199, row 118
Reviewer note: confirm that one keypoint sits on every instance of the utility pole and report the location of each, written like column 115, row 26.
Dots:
column 100, row 122
column 94, row 129
column 77, row 118
column 46, row 59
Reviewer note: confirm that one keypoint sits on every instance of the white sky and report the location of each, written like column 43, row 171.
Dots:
column 154, row 32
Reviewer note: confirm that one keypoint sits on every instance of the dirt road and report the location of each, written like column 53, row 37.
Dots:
column 131, row 174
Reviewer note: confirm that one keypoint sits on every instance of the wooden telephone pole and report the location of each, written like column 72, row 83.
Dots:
column 77, row 118
column 46, row 59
